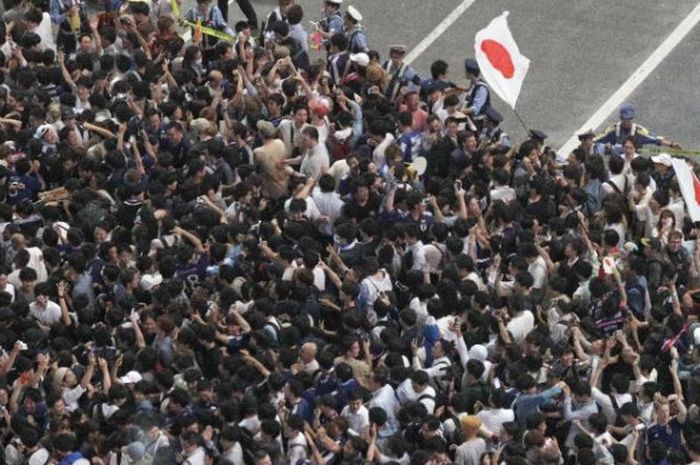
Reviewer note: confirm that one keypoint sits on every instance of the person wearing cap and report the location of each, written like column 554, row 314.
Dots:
column 538, row 136
column 401, row 74
column 332, row 21
column 479, row 97
column 357, row 38
column 612, row 138
column 663, row 173
column 209, row 16
column 492, row 136
column 586, row 141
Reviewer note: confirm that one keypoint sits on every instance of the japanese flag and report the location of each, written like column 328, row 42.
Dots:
column 690, row 187
column 500, row 61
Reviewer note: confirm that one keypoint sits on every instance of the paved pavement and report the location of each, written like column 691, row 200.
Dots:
column 581, row 52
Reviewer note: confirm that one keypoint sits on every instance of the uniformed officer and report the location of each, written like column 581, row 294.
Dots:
column 479, row 98
column 538, row 136
column 337, row 57
column 332, row 22
column 357, row 39
column 614, row 136
column 492, row 137
column 402, row 75
column 586, row 141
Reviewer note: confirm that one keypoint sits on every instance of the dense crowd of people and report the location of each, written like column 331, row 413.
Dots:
column 271, row 245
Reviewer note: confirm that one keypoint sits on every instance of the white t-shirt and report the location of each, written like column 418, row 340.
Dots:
column 520, row 326
column 47, row 316
column 492, row 419
column 357, row 421
column 538, row 270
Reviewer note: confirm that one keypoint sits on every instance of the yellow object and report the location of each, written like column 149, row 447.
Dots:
column 197, row 35
column 208, row 31
column 74, row 19
column 175, row 7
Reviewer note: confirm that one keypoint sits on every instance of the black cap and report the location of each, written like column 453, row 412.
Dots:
column 538, row 135
column 471, row 66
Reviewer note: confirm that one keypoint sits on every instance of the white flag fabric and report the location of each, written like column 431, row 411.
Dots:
column 500, row 62
column 690, row 187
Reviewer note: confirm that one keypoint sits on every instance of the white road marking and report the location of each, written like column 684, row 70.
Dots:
column 640, row 74
column 422, row 45
column 438, row 31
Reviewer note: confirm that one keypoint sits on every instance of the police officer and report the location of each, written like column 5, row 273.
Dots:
column 332, row 21
column 492, row 137
column 538, row 136
column 337, row 57
column 357, row 39
column 401, row 73
column 479, row 97
column 614, row 136
column 586, row 141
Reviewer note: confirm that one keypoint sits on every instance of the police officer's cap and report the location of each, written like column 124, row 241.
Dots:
column 586, row 135
column 398, row 50
column 494, row 115
column 538, row 135
column 354, row 13
column 471, row 66
column 627, row 111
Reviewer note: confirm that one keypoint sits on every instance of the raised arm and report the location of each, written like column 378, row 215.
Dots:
column 191, row 238
column 65, row 316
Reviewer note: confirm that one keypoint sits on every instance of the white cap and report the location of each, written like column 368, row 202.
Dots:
column 354, row 13
column 337, row 2
column 361, row 59
column 131, row 377
column 42, row 130
column 662, row 159
column 39, row 457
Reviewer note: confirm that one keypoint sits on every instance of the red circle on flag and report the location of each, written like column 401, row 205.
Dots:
column 499, row 57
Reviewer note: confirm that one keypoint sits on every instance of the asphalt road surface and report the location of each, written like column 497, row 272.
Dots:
column 581, row 52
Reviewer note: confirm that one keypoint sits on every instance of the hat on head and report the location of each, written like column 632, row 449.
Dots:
column 136, row 450
column 653, row 242
column 538, row 135
column 478, row 352
column 361, row 59
column 398, row 49
column 131, row 377
column 493, row 115
column 354, row 13
column 42, row 130
column 627, row 111
column 663, row 159
column 471, row 66
column 335, row 2
column 39, row 457
column 266, row 128
column 586, row 135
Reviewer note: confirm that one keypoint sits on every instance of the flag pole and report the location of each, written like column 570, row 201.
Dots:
column 527, row 129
